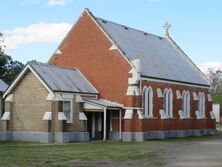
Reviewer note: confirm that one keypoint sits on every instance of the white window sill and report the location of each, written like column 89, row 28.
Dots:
column 149, row 117
column 205, row 118
column 171, row 117
column 168, row 118
column 187, row 119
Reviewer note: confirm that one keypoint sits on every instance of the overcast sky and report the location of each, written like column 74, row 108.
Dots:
column 34, row 28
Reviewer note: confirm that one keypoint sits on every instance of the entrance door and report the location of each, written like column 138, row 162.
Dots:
column 89, row 124
column 95, row 125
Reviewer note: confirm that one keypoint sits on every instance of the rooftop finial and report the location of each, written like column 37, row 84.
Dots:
column 167, row 26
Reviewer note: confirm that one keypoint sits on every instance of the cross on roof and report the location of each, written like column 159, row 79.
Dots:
column 167, row 26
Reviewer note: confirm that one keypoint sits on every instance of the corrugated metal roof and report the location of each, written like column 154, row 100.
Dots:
column 63, row 79
column 3, row 86
column 104, row 103
column 159, row 59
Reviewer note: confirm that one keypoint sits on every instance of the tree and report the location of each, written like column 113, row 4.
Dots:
column 215, row 78
column 9, row 68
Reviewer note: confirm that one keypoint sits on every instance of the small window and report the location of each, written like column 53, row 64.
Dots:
column 201, row 104
column 147, row 101
column 67, row 109
column 186, row 104
column 165, row 102
column 168, row 102
column 144, row 104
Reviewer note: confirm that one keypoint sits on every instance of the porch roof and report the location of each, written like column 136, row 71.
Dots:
column 103, row 103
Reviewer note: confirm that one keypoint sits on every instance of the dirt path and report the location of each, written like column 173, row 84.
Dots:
column 178, row 154
column 195, row 154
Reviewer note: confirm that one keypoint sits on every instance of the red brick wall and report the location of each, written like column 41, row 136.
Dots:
column 87, row 48
column 176, row 123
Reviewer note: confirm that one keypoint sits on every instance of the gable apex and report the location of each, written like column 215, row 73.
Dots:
column 19, row 78
column 114, row 46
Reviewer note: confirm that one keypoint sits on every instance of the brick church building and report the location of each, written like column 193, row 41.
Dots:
column 134, row 86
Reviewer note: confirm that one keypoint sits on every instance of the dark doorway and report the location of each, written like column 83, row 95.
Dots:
column 95, row 125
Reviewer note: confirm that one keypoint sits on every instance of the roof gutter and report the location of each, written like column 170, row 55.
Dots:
column 85, row 93
column 143, row 77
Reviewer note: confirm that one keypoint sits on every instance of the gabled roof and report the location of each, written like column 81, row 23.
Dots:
column 160, row 57
column 57, row 79
column 3, row 86
column 63, row 79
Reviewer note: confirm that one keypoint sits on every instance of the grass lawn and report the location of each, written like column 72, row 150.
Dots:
column 17, row 153
column 35, row 154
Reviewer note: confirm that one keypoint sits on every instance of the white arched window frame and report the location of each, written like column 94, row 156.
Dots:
column 165, row 101
column 201, row 104
column 186, row 103
column 168, row 102
column 148, row 101
column 170, row 105
column 144, row 97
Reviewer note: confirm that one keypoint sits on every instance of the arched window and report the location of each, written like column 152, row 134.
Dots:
column 186, row 103
column 170, row 105
column 148, row 101
column 184, row 106
column 144, row 104
column 168, row 102
column 165, row 102
column 201, row 104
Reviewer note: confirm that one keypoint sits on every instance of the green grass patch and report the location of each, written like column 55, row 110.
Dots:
column 36, row 154
column 17, row 153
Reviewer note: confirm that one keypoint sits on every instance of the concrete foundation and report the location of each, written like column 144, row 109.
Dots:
column 152, row 135
column 63, row 137
column 68, row 137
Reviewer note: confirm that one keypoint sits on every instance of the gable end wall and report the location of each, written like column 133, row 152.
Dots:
column 87, row 48
column 29, row 105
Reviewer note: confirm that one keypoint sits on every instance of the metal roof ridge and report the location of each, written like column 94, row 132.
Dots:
column 52, row 65
column 135, row 29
